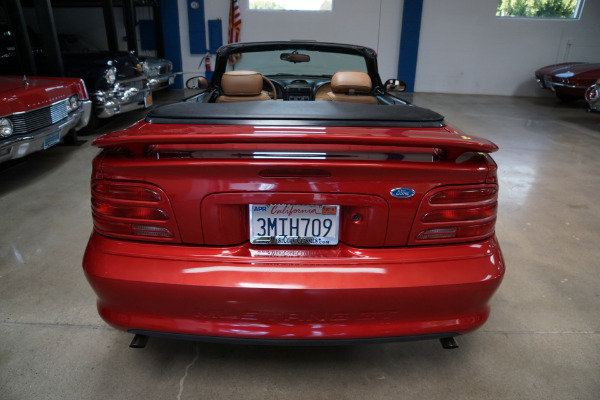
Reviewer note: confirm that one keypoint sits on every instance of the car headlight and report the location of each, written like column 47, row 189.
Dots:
column 151, row 71
column 71, row 103
column 110, row 75
column 6, row 127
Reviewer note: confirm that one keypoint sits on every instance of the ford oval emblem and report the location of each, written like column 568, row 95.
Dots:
column 402, row 193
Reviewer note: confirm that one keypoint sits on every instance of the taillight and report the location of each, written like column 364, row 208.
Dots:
column 460, row 214
column 456, row 214
column 453, row 196
column 133, row 211
column 125, row 192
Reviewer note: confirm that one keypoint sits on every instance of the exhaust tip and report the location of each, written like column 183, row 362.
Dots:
column 139, row 342
column 449, row 343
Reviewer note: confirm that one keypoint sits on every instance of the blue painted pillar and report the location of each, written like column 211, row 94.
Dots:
column 171, row 38
column 409, row 42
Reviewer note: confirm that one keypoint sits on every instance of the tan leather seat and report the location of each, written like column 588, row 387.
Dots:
column 242, row 86
column 351, row 87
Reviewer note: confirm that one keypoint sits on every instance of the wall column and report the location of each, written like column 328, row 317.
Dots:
column 171, row 38
column 409, row 42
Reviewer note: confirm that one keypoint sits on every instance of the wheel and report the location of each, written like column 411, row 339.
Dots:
column 91, row 126
column 70, row 138
column 273, row 92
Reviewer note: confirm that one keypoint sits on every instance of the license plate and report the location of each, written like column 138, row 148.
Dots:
column 293, row 224
column 148, row 100
column 51, row 140
column 171, row 80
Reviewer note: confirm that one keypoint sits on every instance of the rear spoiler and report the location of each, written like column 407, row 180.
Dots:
column 139, row 137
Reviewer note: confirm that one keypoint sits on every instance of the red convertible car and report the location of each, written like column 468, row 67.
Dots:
column 294, row 201
column 37, row 113
column 568, row 80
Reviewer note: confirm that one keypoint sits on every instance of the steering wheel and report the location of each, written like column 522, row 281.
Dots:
column 270, row 83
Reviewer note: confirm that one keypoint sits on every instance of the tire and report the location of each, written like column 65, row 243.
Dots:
column 567, row 98
column 70, row 138
column 91, row 126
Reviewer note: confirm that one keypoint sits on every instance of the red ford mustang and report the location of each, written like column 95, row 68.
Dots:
column 295, row 200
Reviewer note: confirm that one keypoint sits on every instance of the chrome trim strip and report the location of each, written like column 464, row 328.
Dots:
column 35, row 109
column 566, row 85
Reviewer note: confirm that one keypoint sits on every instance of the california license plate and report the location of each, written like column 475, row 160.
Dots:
column 51, row 139
column 293, row 224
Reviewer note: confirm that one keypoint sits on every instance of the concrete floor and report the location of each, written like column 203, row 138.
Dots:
column 542, row 340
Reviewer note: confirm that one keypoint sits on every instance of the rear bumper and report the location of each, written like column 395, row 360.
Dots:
column 293, row 293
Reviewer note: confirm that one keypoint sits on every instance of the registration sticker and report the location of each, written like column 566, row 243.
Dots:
column 51, row 140
column 294, row 224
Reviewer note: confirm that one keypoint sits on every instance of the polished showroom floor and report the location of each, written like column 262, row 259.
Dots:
column 542, row 340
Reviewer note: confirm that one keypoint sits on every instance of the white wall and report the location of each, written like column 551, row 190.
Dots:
column 465, row 48
column 375, row 24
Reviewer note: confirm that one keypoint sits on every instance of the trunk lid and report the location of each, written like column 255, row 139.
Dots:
column 211, row 174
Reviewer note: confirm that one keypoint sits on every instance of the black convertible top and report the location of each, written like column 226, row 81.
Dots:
column 321, row 113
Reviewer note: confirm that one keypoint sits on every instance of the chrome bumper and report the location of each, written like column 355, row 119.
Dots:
column 122, row 99
column 19, row 146
column 547, row 83
column 567, row 85
column 163, row 81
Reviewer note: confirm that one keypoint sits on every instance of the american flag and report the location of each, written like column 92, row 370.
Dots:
column 235, row 24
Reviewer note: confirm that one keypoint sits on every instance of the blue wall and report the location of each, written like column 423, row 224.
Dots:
column 171, row 38
column 409, row 42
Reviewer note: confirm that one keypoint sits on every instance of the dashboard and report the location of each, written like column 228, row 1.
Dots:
column 301, row 89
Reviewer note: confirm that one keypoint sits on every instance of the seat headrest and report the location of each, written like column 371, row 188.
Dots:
column 241, row 83
column 350, row 82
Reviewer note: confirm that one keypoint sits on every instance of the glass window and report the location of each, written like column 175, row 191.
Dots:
column 315, row 63
column 291, row 5
column 561, row 9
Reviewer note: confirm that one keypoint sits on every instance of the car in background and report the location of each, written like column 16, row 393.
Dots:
column 115, row 79
column 592, row 96
column 159, row 70
column 115, row 82
column 296, row 200
column 37, row 113
column 568, row 80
